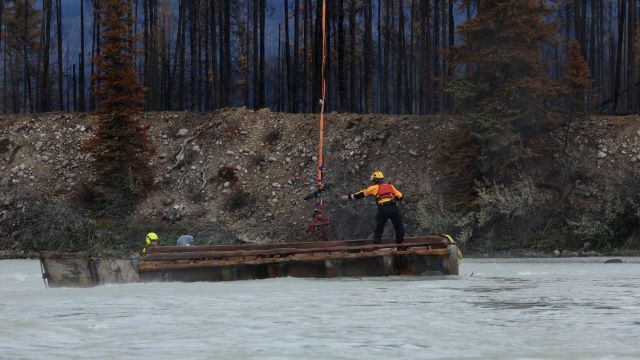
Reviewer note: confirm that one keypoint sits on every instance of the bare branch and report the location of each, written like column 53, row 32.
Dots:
column 180, row 156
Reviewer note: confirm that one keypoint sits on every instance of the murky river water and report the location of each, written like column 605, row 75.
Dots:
column 498, row 309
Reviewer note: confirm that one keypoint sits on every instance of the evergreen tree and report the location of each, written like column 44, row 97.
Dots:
column 503, row 95
column 120, row 147
column 578, row 73
column 577, row 80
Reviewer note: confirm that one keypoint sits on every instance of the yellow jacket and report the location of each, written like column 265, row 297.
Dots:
column 383, row 192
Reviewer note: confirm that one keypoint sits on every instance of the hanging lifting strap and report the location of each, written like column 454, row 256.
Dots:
column 319, row 174
column 320, row 224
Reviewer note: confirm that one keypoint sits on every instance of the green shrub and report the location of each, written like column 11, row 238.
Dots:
column 432, row 217
column 501, row 216
column 615, row 225
column 36, row 222
column 498, row 202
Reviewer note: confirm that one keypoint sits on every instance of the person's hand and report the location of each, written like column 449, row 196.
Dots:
column 344, row 197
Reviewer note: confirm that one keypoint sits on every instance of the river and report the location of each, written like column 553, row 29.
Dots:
column 497, row 309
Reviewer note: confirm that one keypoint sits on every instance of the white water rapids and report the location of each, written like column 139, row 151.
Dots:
column 497, row 309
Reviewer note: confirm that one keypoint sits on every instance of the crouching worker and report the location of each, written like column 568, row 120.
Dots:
column 185, row 240
column 151, row 240
column 387, row 197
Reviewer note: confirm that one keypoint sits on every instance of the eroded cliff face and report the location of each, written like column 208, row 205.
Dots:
column 238, row 174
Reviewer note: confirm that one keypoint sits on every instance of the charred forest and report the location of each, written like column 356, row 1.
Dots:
column 386, row 56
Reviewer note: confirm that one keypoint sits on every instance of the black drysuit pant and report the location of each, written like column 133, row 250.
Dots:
column 386, row 212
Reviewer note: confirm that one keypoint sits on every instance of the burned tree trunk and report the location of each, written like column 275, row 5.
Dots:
column 60, row 73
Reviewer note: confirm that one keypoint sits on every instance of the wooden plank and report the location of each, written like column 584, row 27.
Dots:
column 192, row 255
column 185, row 264
column 301, row 245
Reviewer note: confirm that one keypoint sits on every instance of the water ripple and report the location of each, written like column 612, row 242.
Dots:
column 507, row 309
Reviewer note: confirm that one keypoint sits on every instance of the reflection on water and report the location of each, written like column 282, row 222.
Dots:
column 498, row 309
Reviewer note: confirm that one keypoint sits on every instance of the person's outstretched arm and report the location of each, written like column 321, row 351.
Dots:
column 370, row 191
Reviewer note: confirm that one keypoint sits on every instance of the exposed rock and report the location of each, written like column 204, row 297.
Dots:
column 175, row 213
column 613, row 261
column 583, row 192
column 351, row 156
column 602, row 154
column 568, row 253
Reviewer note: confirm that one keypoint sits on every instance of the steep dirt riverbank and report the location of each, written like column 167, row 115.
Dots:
column 242, row 175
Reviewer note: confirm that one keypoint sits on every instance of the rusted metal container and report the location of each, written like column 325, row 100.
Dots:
column 421, row 256
column 77, row 270
column 428, row 255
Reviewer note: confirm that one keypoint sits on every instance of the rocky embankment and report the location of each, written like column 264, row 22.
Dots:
column 238, row 174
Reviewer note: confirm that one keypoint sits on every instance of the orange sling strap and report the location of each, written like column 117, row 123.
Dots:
column 320, row 225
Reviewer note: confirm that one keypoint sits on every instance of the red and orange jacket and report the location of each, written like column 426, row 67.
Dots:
column 383, row 192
